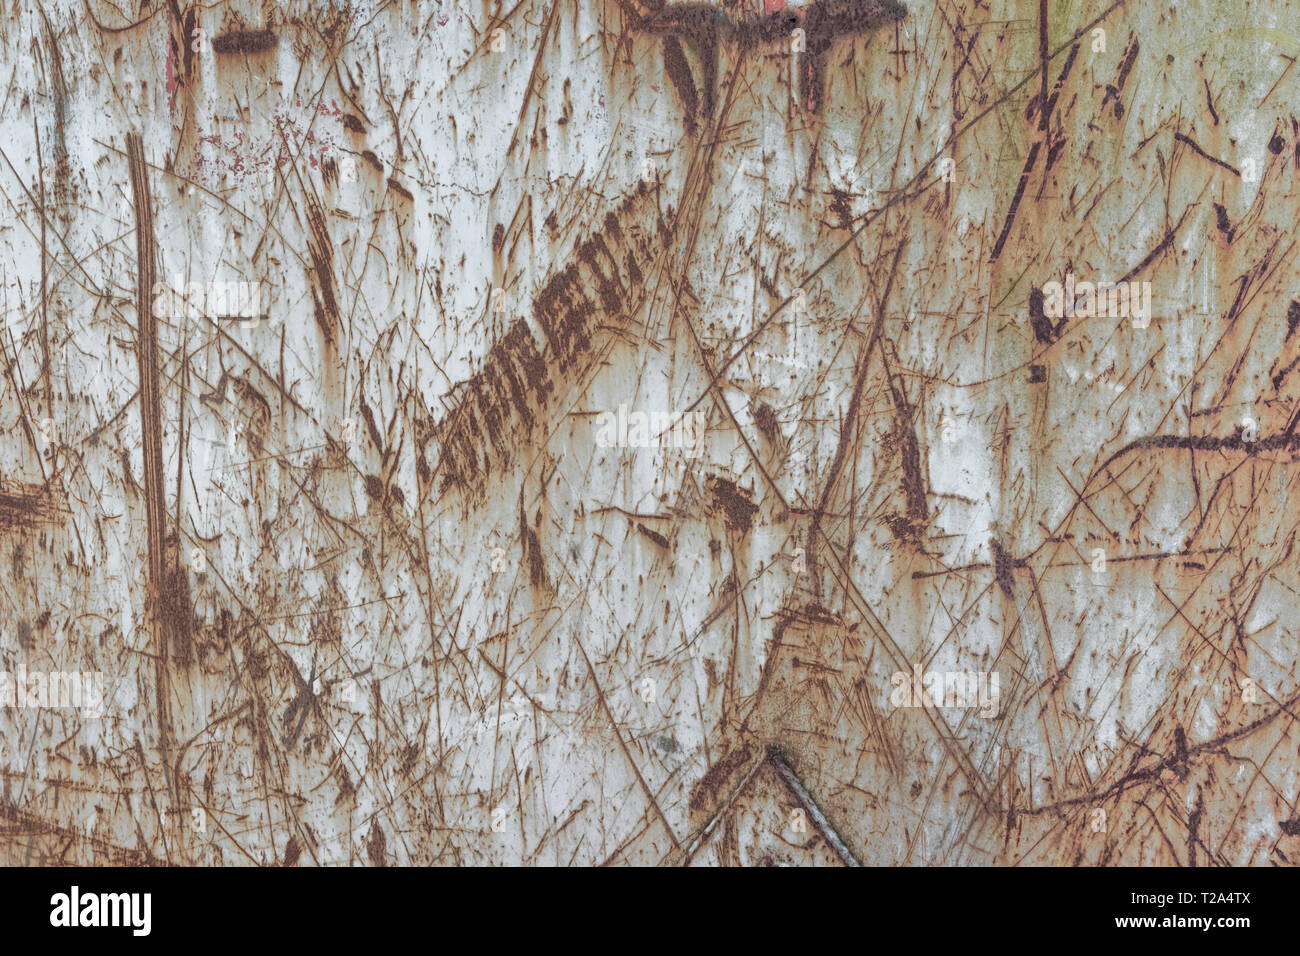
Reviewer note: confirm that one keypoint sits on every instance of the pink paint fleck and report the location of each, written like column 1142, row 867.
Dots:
column 772, row 6
column 249, row 158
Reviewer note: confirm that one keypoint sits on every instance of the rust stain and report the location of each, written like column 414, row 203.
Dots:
column 905, row 568
column 321, row 248
column 247, row 42
column 735, row 503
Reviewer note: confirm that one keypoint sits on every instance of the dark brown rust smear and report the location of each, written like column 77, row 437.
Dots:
column 829, row 19
column 178, row 613
column 1114, row 90
column 500, row 405
column 1002, row 565
column 634, row 275
column 841, row 209
column 1044, row 331
column 322, row 256
column 401, row 190
column 913, row 481
column 595, row 255
column 679, row 74
column 372, row 428
column 654, row 536
column 612, row 227
column 824, row 23
column 707, row 791
column 735, row 503
column 705, row 28
column 699, row 25
column 188, row 23
column 1281, row 441
column 376, row 845
column 565, row 312
column 900, row 527
column 532, row 546
column 1223, row 222
column 513, row 376
column 536, row 564
column 245, row 41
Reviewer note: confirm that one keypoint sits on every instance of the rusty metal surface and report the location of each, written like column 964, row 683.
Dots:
column 850, row 432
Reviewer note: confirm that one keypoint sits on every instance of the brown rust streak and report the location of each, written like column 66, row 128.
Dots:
column 151, row 436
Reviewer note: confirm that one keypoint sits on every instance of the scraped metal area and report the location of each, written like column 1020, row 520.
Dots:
column 628, row 411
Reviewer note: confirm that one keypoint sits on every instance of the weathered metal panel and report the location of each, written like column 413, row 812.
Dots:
column 583, row 432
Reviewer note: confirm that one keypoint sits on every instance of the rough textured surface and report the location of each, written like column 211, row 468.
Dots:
column 366, row 582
